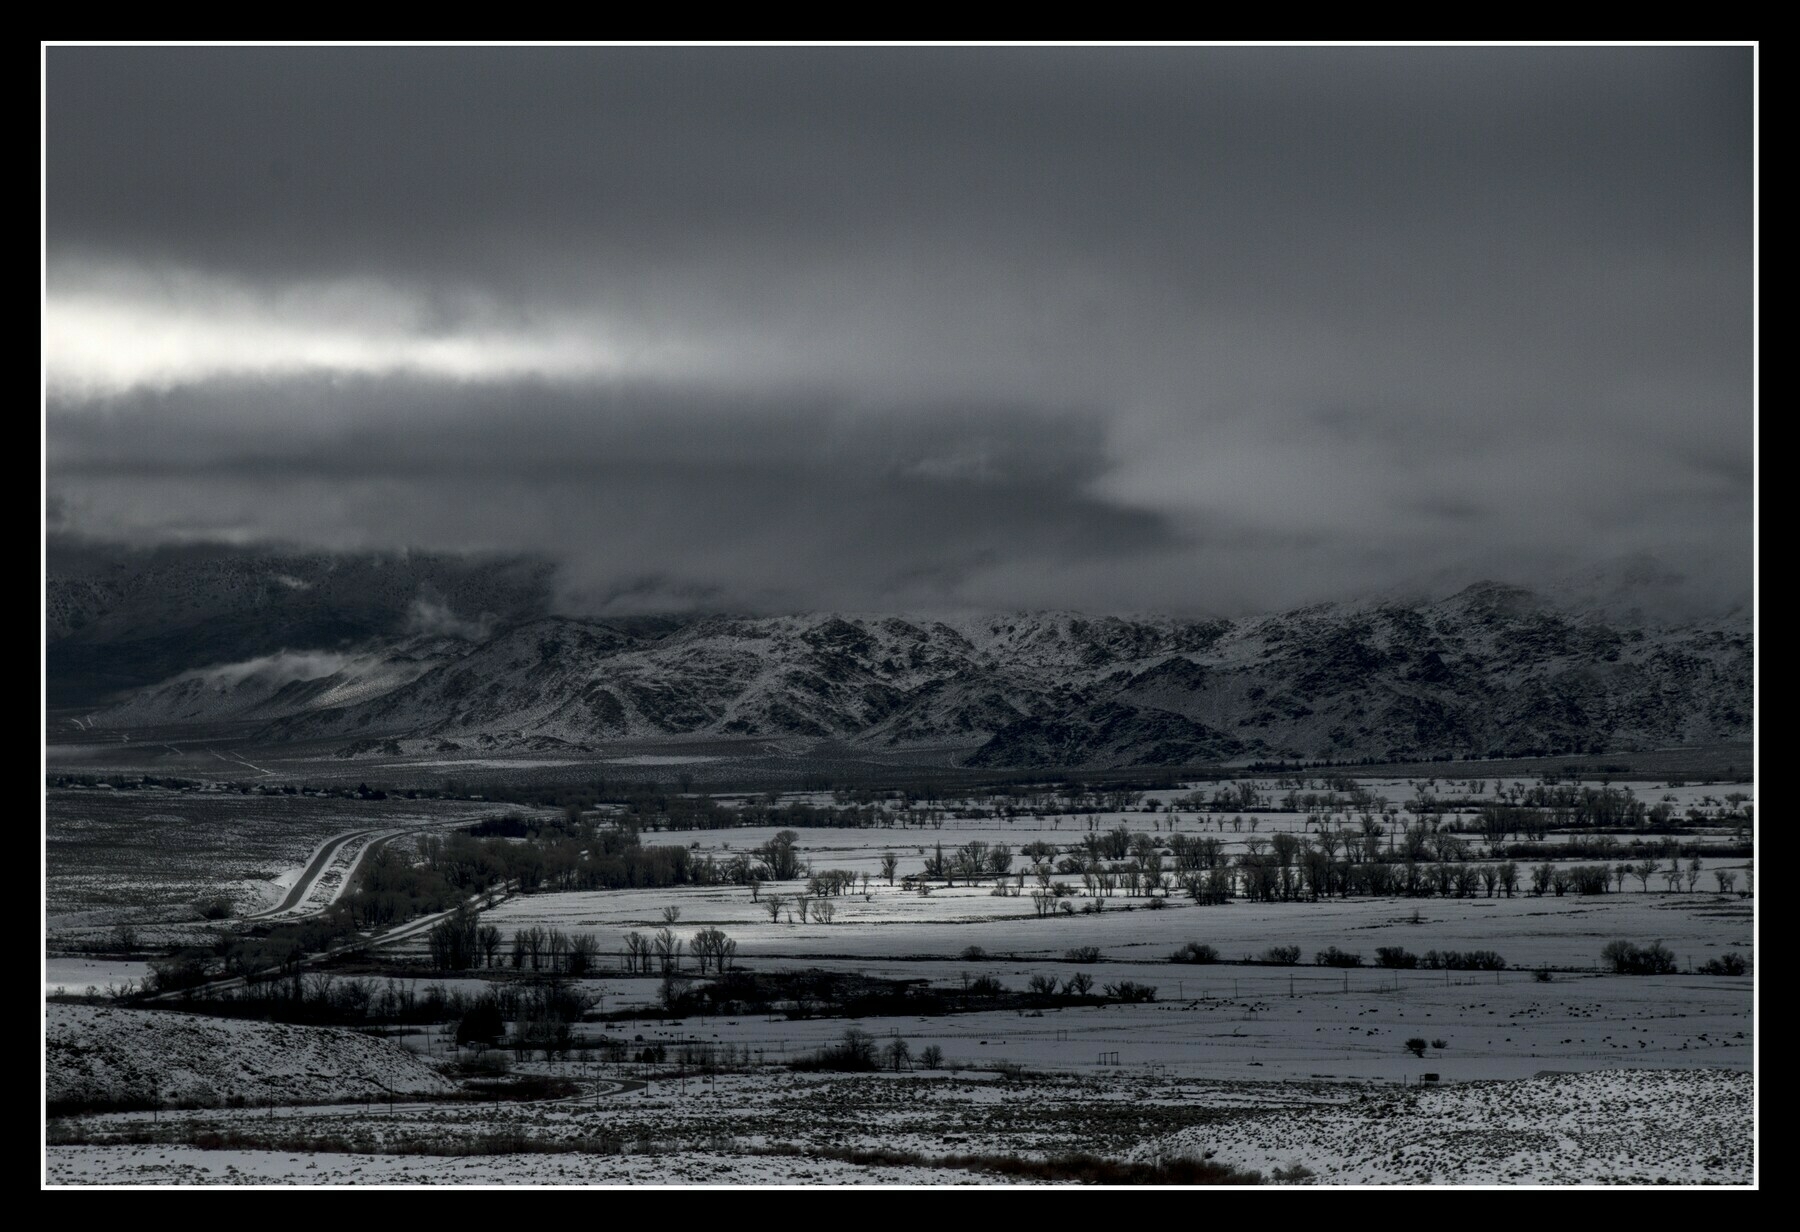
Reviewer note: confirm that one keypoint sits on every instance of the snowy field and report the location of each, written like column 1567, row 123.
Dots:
column 184, row 1165
column 1490, row 1031
column 75, row 975
column 1688, row 1126
column 892, row 923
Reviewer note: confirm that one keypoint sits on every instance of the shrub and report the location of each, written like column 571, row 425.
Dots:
column 1624, row 958
column 1590, row 878
column 1725, row 964
column 973, row 953
column 1440, row 1044
column 1395, row 956
column 1282, row 955
column 1194, row 952
column 855, row 1053
column 931, row 1056
column 214, row 908
column 1334, row 957
column 490, row 1063
column 1542, row 975
column 1082, row 954
column 482, row 1024
column 1131, row 991
column 1416, row 1046
column 1461, row 960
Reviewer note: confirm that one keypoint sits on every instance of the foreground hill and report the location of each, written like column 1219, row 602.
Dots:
column 98, row 1056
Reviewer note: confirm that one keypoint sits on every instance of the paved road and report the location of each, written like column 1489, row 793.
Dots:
column 297, row 894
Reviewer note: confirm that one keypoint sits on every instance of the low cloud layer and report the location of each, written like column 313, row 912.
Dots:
column 1195, row 329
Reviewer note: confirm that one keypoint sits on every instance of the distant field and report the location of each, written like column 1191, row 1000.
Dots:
column 226, row 752
column 146, row 853
column 1715, row 762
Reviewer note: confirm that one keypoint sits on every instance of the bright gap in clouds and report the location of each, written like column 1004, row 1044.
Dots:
column 117, row 333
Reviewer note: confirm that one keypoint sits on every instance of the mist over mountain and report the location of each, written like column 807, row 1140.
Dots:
column 118, row 617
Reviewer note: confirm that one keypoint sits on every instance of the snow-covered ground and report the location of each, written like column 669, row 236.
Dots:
column 1686, row 1126
column 1612, row 1126
column 184, row 1165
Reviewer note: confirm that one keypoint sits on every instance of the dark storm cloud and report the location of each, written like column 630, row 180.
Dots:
column 649, row 495
column 1074, row 327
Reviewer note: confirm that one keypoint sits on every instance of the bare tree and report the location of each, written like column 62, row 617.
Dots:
column 773, row 905
column 668, row 951
column 671, row 915
column 712, row 946
column 889, row 863
column 1726, row 880
column 824, row 909
column 584, row 950
column 637, row 952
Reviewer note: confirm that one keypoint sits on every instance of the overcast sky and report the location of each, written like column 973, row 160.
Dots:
column 1181, row 329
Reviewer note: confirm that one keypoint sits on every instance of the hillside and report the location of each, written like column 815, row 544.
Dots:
column 101, row 1056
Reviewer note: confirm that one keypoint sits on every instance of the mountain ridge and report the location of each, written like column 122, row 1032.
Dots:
column 1490, row 670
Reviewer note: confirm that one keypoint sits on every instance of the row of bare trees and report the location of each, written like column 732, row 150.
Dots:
column 802, row 905
column 660, row 953
column 551, row 949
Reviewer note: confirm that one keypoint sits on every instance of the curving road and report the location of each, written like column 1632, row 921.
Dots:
column 298, row 892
